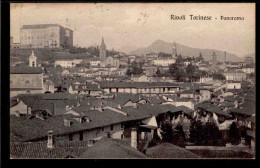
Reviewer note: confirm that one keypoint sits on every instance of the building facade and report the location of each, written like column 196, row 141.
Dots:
column 45, row 36
column 26, row 80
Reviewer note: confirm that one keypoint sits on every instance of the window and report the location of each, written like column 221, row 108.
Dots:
column 27, row 82
column 81, row 136
column 102, row 129
column 70, row 137
column 122, row 136
column 112, row 127
column 122, row 125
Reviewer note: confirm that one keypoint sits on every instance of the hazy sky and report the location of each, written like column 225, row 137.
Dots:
column 142, row 23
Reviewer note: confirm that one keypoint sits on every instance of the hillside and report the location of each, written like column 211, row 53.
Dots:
column 45, row 54
column 162, row 46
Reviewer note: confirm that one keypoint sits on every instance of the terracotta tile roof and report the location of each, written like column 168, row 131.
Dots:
column 217, row 110
column 167, row 150
column 39, row 150
column 109, row 148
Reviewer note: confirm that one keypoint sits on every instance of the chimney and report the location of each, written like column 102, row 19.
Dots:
column 135, row 105
column 133, row 138
column 50, row 140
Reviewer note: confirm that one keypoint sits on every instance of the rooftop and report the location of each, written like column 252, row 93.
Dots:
column 26, row 70
column 167, row 150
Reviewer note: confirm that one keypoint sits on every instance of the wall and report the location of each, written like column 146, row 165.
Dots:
column 97, row 133
column 18, row 80
column 233, row 86
column 21, row 107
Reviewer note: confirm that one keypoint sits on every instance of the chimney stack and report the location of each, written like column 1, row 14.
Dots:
column 50, row 140
column 133, row 138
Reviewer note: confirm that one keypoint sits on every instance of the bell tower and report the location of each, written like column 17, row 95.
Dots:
column 174, row 51
column 32, row 60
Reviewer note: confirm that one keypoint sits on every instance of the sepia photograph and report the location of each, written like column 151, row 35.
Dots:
column 132, row 81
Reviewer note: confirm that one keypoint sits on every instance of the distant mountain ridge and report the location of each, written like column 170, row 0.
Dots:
column 185, row 51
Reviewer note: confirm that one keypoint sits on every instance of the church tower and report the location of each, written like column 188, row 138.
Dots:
column 214, row 61
column 174, row 51
column 32, row 60
column 102, row 50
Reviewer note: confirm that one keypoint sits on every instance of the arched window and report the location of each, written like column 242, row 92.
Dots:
column 27, row 82
column 33, row 64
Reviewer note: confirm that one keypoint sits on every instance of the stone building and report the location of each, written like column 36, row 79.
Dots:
column 45, row 36
column 26, row 80
column 102, row 50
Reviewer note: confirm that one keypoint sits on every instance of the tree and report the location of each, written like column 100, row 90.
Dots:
column 211, row 133
column 190, row 70
column 134, row 69
column 234, row 134
column 218, row 76
column 200, row 57
column 164, row 55
column 179, row 135
column 158, row 73
column 167, row 132
column 196, row 133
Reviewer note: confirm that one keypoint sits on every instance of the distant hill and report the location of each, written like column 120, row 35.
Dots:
column 185, row 51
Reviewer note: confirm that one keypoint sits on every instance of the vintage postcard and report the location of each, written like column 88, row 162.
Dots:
column 132, row 80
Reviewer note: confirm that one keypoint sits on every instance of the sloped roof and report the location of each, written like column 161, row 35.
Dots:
column 39, row 150
column 167, row 150
column 26, row 70
column 109, row 148
column 217, row 110
column 137, row 85
column 185, row 109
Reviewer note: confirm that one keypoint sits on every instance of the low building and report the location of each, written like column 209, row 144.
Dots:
column 164, row 62
column 140, row 78
column 67, row 63
column 235, row 75
column 26, row 80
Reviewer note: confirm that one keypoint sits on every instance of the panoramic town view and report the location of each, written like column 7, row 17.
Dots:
column 97, row 81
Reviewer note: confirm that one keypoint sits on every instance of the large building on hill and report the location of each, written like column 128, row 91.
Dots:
column 102, row 50
column 45, row 36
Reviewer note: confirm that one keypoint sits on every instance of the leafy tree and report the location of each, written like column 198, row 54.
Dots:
column 134, row 68
column 211, row 133
column 179, row 135
column 196, row 133
column 167, row 132
column 200, row 58
column 234, row 134
column 218, row 76
column 158, row 73
column 164, row 55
